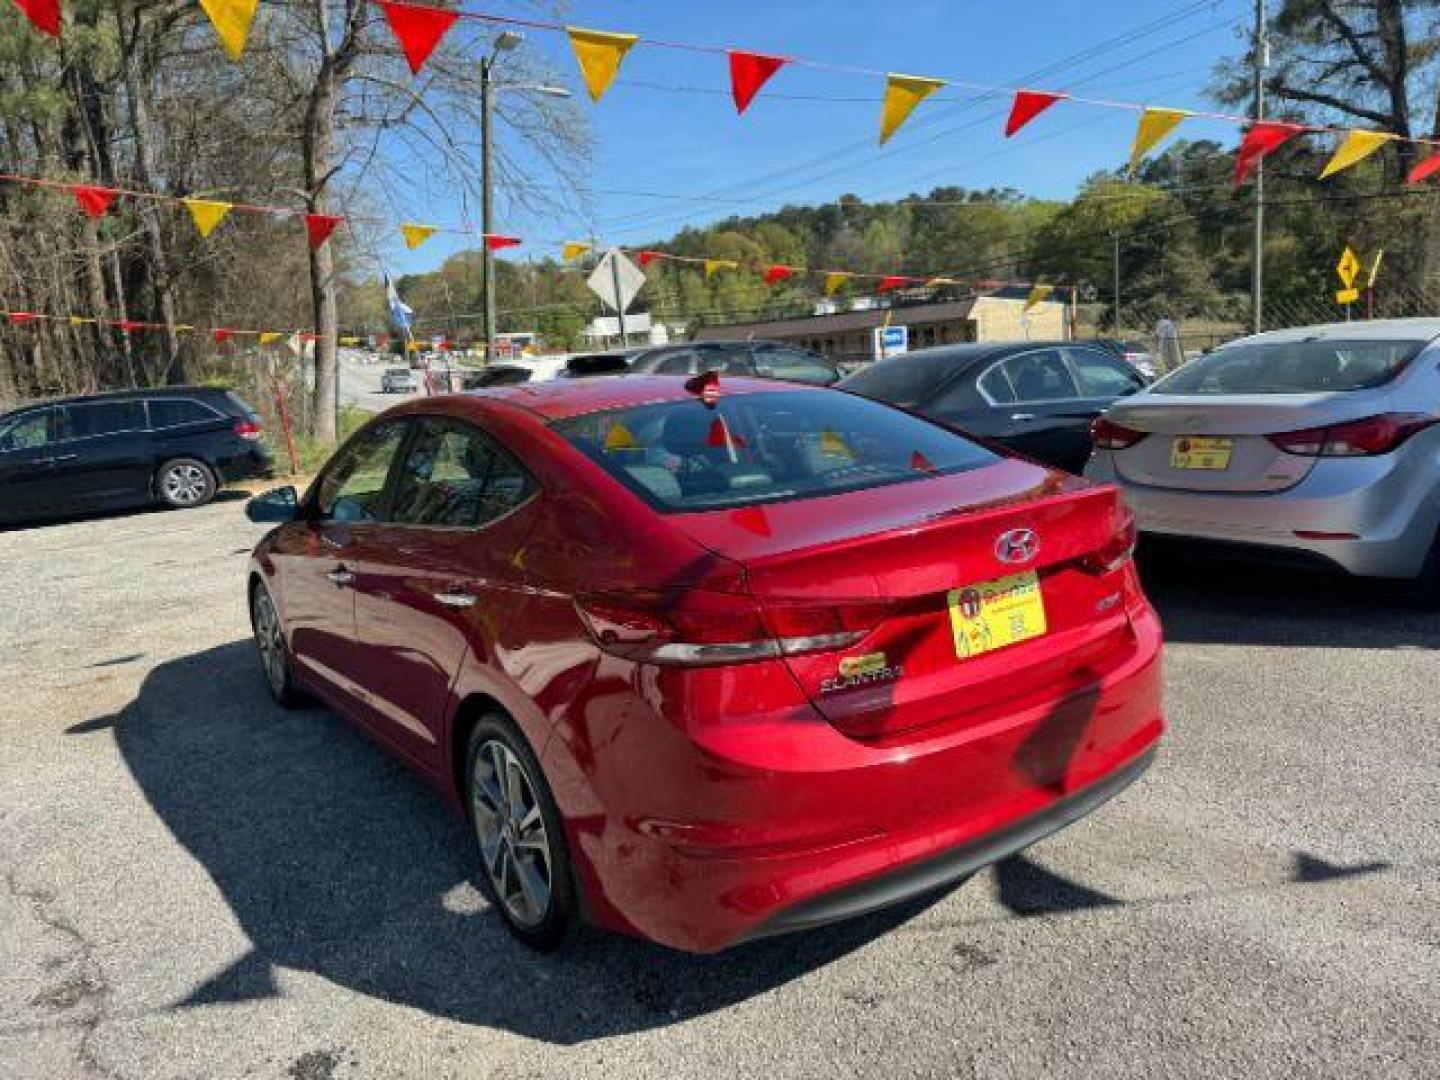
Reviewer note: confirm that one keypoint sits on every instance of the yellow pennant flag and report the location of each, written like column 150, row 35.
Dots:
column 1358, row 145
column 1038, row 294
column 832, row 445
column 206, row 213
column 269, row 337
column 712, row 265
column 834, row 281
column 573, row 250
column 620, row 437
column 415, row 235
column 1155, row 124
column 231, row 19
column 79, row 320
column 902, row 94
column 937, row 282
column 599, row 53
column 351, row 341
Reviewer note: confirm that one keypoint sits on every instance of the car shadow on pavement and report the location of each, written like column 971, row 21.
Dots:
column 336, row 860
column 224, row 495
column 1231, row 602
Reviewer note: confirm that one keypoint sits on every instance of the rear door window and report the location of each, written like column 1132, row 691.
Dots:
column 178, row 412
column 1040, row 376
column 767, row 447
column 95, row 418
column 1292, row 367
column 455, row 476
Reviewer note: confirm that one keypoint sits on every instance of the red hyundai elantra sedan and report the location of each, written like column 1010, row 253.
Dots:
column 706, row 661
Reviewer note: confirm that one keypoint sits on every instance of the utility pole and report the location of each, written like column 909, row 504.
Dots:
column 1261, row 61
column 619, row 307
column 487, row 193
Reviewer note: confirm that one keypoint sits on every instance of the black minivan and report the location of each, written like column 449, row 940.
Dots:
column 176, row 446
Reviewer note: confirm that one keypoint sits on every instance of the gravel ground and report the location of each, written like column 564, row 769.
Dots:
column 197, row 884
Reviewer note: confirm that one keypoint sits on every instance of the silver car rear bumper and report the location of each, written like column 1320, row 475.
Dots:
column 1389, row 504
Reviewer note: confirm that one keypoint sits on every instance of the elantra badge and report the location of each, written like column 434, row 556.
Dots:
column 1017, row 546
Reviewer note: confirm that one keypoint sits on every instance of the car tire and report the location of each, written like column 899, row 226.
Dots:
column 273, row 650
column 185, row 483
column 524, row 858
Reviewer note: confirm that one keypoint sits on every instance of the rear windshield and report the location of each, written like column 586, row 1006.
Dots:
column 1296, row 367
column 761, row 448
column 903, row 380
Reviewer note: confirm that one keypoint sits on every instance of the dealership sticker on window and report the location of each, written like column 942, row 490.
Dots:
column 996, row 614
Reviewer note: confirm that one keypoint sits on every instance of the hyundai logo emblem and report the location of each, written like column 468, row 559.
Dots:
column 1017, row 546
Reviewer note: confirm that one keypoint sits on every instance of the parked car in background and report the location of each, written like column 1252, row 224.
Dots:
column 399, row 380
column 1134, row 353
column 765, row 359
column 1037, row 398
column 1320, row 443
column 713, row 662
column 544, row 368
column 176, row 446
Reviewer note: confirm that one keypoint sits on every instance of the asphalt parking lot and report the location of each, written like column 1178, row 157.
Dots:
column 196, row 884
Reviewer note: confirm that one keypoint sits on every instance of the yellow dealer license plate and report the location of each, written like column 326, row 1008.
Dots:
column 996, row 613
column 1193, row 453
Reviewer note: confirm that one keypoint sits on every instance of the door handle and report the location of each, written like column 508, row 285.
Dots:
column 1022, row 416
column 457, row 598
column 60, row 457
column 341, row 576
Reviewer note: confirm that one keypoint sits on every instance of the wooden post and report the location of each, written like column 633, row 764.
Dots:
column 284, row 412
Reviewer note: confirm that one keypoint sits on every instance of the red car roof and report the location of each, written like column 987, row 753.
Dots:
column 558, row 399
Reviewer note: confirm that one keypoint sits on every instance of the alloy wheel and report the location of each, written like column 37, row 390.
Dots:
column 270, row 641
column 514, row 844
column 185, row 485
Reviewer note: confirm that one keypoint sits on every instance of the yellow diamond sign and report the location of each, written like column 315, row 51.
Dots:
column 1348, row 268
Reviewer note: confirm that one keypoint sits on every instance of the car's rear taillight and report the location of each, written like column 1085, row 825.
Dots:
column 1357, row 438
column 1117, row 550
column 248, row 429
column 701, row 627
column 1108, row 435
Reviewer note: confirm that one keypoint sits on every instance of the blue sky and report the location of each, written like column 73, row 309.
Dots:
column 668, row 126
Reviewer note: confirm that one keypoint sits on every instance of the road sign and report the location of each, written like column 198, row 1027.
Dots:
column 1347, row 296
column 616, row 280
column 1348, row 268
column 891, row 341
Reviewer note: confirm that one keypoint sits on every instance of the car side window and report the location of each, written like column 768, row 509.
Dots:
column 1103, row 376
column 995, row 384
column 353, row 486
column 1040, row 376
column 792, row 366
column 102, row 418
column 28, row 432
column 177, row 412
column 681, row 363
column 454, row 476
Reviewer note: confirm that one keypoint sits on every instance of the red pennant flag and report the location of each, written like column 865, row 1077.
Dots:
column 1261, row 140
column 645, row 258
column 893, row 281
column 318, row 228
column 748, row 73
column 1426, row 169
column 20, row 318
column 495, row 242
column 777, row 273
column 418, row 29
column 721, row 436
column 220, row 336
column 94, row 200
column 1028, row 105
column 309, row 339
column 129, row 325
column 920, row 463
column 45, row 14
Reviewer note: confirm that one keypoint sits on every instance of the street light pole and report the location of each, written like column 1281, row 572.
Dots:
column 1261, row 49
column 1115, row 236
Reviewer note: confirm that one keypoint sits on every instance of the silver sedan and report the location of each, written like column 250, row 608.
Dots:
column 1322, row 441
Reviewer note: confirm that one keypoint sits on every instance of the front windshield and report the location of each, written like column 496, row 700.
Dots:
column 1292, row 367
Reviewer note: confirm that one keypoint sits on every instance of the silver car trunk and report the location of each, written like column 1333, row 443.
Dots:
column 1255, row 463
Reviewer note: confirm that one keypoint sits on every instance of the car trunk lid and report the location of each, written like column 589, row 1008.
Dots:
column 903, row 554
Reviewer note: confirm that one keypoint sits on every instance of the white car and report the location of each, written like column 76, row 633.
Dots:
column 399, row 380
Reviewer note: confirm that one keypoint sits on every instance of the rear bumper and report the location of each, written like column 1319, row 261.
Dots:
column 1388, row 510
column 781, row 822
column 251, row 463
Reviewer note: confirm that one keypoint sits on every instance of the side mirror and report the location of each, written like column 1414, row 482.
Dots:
column 275, row 506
